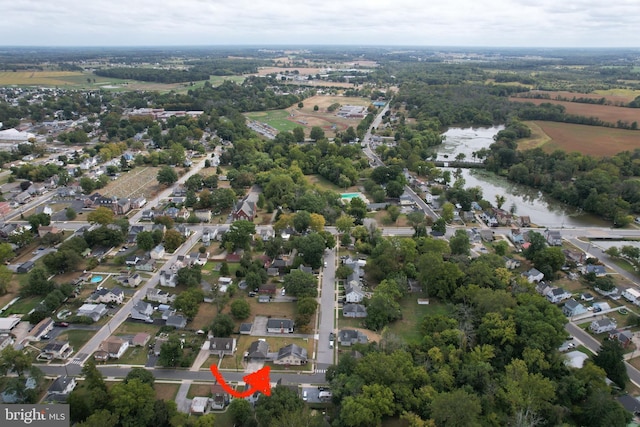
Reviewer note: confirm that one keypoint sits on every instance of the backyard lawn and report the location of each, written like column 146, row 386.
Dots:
column 412, row 313
column 133, row 356
column 77, row 338
column 166, row 391
column 199, row 390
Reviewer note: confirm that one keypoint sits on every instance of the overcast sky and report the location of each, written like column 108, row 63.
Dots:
column 553, row 23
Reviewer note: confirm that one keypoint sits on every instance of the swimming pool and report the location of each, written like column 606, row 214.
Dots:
column 96, row 279
column 349, row 195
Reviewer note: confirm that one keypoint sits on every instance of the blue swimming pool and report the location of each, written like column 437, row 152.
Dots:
column 96, row 279
column 349, row 195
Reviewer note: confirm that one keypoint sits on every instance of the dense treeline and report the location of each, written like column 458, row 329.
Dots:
column 490, row 358
column 154, row 74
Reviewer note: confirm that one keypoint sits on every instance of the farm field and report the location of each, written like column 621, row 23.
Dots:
column 592, row 140
column 606, row 113
column 615, row 96
column 288, row 119
column 135, row 183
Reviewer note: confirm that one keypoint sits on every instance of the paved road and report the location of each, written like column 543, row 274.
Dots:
column 593, row 345
column 325, row 355
column 125, row 310
column 115, row 371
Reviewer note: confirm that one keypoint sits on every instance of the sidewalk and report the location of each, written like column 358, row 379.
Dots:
column 202, row 357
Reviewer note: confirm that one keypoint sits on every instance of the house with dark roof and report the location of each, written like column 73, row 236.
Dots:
column 245, row 209
column 625, row 338
column 603, row 325
column 598, row 270
column 177, row 321
column 26, row 267
column 354, row 310
column 245, row 328
column 57, row 350
column 222, row 346
column 280, row 326
column 41, row 329
column 291, row 354
column 558, row 295
column 533, row 275
column 258, row 350
column 573, row 308
column 349, row 337
column 62, row 385
column 106, row 296
column 353, row 292
column 220, row 399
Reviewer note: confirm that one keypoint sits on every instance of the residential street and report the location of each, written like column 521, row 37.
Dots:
column 325, row 355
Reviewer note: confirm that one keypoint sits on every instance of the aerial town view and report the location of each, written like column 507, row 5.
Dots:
column 288, row 221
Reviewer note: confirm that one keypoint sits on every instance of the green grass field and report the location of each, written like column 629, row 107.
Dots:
column 412, row 314
column 77, row 338
column 274, row 118
column 24, row 305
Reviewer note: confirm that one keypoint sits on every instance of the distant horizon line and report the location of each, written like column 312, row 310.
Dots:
column 280, row 46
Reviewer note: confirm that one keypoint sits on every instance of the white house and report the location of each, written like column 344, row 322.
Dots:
column 631, row 295
column 533, row 275
column 115, row 347
column 558, row 295
column 157, row 252
column 353, row 292
column 168, row 279
column 603, row 325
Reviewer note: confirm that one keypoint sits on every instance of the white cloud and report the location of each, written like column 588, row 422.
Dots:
column 204, row 22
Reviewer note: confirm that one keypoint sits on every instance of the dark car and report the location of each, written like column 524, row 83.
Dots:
column 45, row 337
column 61, row 324
column 332, row 336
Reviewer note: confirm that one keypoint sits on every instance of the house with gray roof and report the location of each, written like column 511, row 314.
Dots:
column 280, row 326
column 291, row 354
column 177, row 321
column 258, row 350
column 573, row 308
column 222, row 346
column 348, row 337
column 354, row 310
column 603, row 325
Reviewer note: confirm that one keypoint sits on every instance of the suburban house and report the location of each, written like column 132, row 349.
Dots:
column 158, row 295
column 26, row 267
column 516, row 236
column 533, row 275
column 268, row 288
column 5, row 341
column 130, row 280
column 354, row 310
column 558, row 295
column 114, row 347
column 348, row 337
column 543, row 288
column 62, row 385
column 222, row 346
column 598, row 270
column 573, row 308
column 353, row 292
column 200, row 405
column 177, row 321
column 208, row 235
column 142, row 311
column 219, row 398
column 146, row 265
column 106, row 296
column 625, row 338
column 138, row 202
column 134, row 230
column 245, row 328
column 157, row 252
column 157, row 346
column 132, row 260
column 280, row 326
column 601, row 306
column 41, row 329
column 554, row 238
column 586, row 297
column 291, row 354
column 140, row 339
column 603, row 325
column 94, row 311
column 246, row 208
column 258, row 350
column 57, row 350
column 43, row 230
column 487, row 235
column 168, row 279
column 631, row 295
column 8, row 323
column 147, row 215
column 525, row 221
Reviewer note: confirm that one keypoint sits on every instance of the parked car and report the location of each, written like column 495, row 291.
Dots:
column 61, row 324
column 45, row 337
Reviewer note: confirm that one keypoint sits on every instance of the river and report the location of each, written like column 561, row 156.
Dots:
column 543, row 210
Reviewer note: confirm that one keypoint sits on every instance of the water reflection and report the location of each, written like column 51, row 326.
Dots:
column 542, row 210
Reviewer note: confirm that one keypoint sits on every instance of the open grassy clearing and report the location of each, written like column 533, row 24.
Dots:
column 612, row 95
column 607, row 113
column 166, row 391
column 595, row 141
column 537, row 139
column 77, row 337
column 132, row 328
column 132, row 356
column 202, row 390
column 324, row 184
column 278, row 119
column 135, row 183
column 412, row 314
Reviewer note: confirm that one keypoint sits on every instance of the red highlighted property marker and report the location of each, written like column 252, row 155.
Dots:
column 256, row 381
